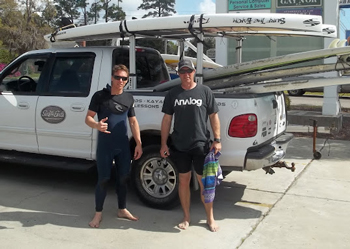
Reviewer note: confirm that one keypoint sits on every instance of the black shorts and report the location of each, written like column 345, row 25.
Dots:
column 185, row 159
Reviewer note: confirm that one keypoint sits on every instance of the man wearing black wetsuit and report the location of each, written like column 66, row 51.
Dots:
column 113, row 107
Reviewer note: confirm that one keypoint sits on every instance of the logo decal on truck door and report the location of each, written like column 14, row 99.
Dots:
column 53, row 114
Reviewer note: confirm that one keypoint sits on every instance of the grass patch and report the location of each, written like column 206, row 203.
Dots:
column 321, row 94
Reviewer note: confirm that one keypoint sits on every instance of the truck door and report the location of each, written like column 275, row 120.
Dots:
column 20, row 86
column 61, row 109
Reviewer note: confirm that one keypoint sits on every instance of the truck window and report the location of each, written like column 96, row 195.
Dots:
column 23, row 77
column 71, row 75
column 150, row 67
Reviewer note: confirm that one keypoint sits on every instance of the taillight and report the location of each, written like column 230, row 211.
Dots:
column 245, row 125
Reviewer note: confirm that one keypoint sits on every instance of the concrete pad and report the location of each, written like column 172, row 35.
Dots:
column 325, row 179
column 54, row 213
column 259, row 180
column 314, row 211
column 335, row 150
column 303, row 222
column 302, row 209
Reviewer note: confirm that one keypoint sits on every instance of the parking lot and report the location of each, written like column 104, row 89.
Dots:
column 43, row 208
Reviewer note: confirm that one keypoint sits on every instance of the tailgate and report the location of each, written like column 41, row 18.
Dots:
column 270, row 111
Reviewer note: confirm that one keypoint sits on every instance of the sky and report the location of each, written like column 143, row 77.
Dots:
column 182, row 7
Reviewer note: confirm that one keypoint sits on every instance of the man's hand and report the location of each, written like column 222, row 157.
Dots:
column 164, row 151
column 138, row 152
column 216, row 146
column 102, row 126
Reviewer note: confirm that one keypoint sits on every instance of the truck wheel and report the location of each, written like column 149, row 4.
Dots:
column 156, row 179
column 296, row 92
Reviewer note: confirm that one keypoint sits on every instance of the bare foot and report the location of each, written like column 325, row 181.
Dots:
column 95, row 223
column 184, row 225
column 124, row 213
column 213, row 227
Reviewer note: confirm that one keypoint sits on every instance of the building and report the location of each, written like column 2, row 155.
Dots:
column 258, row 47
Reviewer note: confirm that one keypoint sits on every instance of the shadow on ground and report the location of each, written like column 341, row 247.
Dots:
column 39, row 196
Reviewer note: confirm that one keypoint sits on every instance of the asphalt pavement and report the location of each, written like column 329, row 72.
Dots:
column 308, row 208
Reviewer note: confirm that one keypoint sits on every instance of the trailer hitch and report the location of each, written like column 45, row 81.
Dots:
column 279, row 164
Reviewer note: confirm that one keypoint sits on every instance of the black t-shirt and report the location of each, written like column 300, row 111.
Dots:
column 191, row 109
column 116, row 107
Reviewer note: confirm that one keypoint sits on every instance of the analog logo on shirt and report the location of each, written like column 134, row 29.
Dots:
column 190, row 101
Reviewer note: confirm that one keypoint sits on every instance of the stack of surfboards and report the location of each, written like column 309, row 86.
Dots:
column 229, row 25
column 258, row 71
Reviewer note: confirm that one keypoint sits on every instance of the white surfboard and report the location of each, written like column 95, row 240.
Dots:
column 184, row 26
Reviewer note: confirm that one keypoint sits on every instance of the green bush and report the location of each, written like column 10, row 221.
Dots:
column 287, row 102
column 5, row 56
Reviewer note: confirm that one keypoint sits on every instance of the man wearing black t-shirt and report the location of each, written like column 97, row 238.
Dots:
column 191, row 105
column 113, row 108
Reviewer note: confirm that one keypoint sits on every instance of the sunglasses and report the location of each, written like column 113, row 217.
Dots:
column 183, row 71
column 117, row 77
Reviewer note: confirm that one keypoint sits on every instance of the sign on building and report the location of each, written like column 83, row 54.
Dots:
column 303, row 11
column 238, row 5
column 298, row 3
column 344, row 3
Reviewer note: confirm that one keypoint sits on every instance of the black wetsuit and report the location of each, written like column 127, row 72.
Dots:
column 114, row 145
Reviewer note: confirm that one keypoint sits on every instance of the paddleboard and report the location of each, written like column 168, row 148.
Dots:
column 263, row 64
column 275, row 74
column 185, row 26
column 286, row 85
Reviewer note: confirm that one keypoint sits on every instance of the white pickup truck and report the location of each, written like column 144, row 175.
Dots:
column 45, row 94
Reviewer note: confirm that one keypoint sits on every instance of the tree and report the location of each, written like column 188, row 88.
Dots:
column 21, row 32
column 158, row 8
column 83, row 4
column 105, row 8
column 67, row 9
column 171, row 47
column 49, row 13
column 93, row 15
column 114, row 13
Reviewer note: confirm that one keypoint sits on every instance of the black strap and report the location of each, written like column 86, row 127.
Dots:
column 126, row 28
column 122, row 32
column 193, row 31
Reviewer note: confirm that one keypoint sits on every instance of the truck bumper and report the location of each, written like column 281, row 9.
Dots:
column 268, row 154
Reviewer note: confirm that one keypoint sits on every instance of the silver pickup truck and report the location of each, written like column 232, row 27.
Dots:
column 45, row 94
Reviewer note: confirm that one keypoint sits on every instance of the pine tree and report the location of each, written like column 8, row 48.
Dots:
column 158, row 8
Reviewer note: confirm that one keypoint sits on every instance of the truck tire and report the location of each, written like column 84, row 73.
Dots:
column 155, row 179
column 296, row 92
